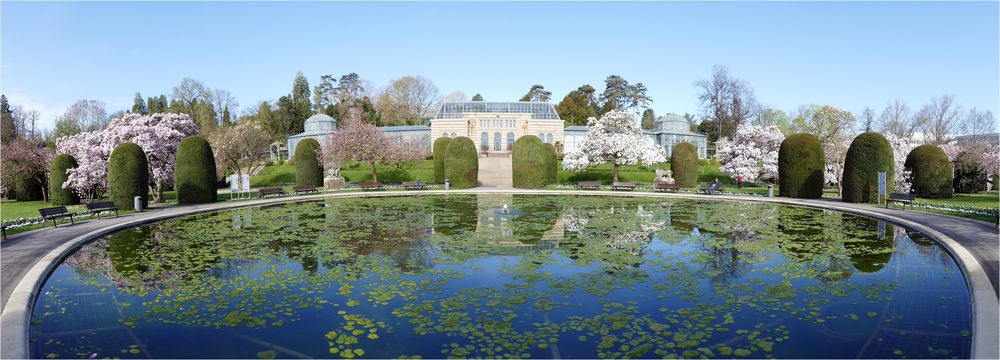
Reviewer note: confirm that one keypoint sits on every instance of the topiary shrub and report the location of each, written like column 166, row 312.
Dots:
column 684, row 164
column 553, row 165
column 869, row 154
column 930, row 172
column 307, row 168
column 438, row 154
column 461, row 163
column 128, row 176
column 530, row 163
column 971, row 174
column 194, row 171
column 28, row 190
column 801, row 167
column 58, row 176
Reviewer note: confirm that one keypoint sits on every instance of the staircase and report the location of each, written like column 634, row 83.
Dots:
column 495, row 172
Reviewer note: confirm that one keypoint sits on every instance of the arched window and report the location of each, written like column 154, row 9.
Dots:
column 548, row 138
column 444, row 134
column 454, row 135
column 510, row 141
column 541, row 136
column 496, row 142
column 486, row 141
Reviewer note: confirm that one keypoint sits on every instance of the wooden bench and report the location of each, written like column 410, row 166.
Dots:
column 662, row 186
column 97, row 207
column 593, row 185
column 54, row 213
column 900, row 198
column 414, row 185
column 268, row 191
column 303, row 188
column 623, row 186
column 707, row 188
column 371, row 185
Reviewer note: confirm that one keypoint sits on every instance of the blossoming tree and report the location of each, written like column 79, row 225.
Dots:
column 835, row 150
column 237, row 148
column 614, row 138
column 753, row 153
column 901, row 147
column 89, row 177
column 357, row 141
column 25, row 160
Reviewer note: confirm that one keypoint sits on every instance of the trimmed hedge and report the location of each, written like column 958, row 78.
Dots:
column 438, row 153
column 970, row 172
column 684, row 164
column 530, row 163
column 553, row 165
column 28, row 190
column 194, row 171
column 801, row 167
column 461, row 163
column 128, row 176
column 58, row 176
column 930, row 172
column 869, row 154
column 307, row 168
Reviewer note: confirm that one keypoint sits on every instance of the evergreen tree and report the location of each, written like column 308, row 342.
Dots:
column 226, row 117
column 577, row 106
column 161, row 103
column 537, row 93
column 138, row 105
column 648, row 120
column 300, row 90
column 478, row 97
column 152, row 106
column 8, row 131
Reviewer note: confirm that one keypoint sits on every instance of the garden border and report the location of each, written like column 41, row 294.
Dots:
column 15, row 319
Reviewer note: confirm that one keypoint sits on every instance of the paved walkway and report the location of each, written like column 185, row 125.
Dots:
column 20, row 253
column 494, row 172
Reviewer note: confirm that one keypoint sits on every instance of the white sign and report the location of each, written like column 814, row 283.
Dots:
column 881, row 183
column 246, row 183
column 234, row 183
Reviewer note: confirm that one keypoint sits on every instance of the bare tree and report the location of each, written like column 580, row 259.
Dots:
column 868, row 119
column 221, row 100
column 825, row 122
column 190, row 92
column 83, row 115
column 978, row 124
column 25, row 121
column 407, row 99
column 940, row 120
column 897, row 120
column 727, row 101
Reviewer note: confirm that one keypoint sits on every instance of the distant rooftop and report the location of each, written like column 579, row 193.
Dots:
column 404, row 128
column 538, row 110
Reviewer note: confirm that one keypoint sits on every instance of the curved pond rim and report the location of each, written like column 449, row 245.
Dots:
column 16, row 316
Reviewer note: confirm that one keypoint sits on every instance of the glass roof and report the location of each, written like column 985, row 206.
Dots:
column 538, row 110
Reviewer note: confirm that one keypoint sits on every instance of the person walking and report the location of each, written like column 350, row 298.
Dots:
column 739, row 182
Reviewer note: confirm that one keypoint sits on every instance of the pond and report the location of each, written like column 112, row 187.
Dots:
column 437, row 276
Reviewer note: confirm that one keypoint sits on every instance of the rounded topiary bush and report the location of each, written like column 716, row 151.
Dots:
column 869, row 154
column 552, row 166
column 128, row 176
column 461, row 163
column 930, row 172
column 438, row 154
column 28, row 190
column 801, row 167
column 530, row 163
column 971, row 174
column 194, row 171
column 684, row 164
column 307, row 168
column 57, row 176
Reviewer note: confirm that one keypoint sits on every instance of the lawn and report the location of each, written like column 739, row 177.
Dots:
column 989, row 200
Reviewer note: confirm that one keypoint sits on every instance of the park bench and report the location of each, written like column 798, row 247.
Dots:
column 54, row 213
column 900, row 198
column 371, row 185
column 303, row 188
column 3, row 230
column 707, row 188
column 662, row 186
column 414, row 185
column 268, row 191
column 97, row 207
column 623, row 186
column 594, row 185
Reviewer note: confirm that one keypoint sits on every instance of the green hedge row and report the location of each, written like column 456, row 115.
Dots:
column 801, row 167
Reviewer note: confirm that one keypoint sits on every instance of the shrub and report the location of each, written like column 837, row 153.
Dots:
column 58, row 176
column 128, row 176
column 530, row 163
column 684, row 164
column 194, row 171
column 552, row 165
column 801, row 167
column 869, row 154
column 268, row 162
column 28, row 190
column 462, row 163
column 971, row 174
column 930, row 172
column 307, row 168
column 438, row 153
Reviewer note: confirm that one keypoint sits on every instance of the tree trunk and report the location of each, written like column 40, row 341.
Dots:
column 45, row 191
column 159, row 193
column 374, row 175
column 616, row 171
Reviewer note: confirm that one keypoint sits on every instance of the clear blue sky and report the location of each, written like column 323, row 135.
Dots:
column 849, row 55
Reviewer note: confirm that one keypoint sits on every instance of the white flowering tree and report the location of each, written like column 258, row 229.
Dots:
column 835, row 151
column 992, row 159
column 614, row 138
column 901, row 148
column 753, row 153
column 158, row 135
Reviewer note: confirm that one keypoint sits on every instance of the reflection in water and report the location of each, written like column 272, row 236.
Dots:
column 561, row 276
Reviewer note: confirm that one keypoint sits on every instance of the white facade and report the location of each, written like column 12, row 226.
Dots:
column 495, row 126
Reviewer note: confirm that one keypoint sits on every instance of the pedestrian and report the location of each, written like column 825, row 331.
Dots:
column 739, row 182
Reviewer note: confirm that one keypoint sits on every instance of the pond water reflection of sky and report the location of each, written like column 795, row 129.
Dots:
column 559, row 276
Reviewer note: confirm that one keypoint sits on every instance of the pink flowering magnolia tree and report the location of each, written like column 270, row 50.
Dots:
column 753, row 153
column 406, row 152
column 357, row 141
column 158, row 135
column 25, row 160
column 614, row 138
column 901, row 148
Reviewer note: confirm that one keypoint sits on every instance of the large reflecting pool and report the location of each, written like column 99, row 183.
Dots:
column 556, row 276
